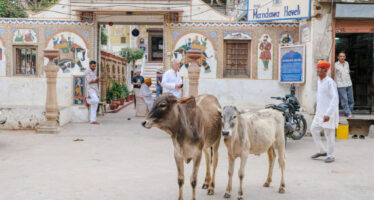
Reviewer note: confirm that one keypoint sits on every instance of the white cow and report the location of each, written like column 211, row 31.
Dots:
column 253, row 134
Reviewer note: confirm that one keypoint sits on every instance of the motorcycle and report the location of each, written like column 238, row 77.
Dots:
column 295, row 124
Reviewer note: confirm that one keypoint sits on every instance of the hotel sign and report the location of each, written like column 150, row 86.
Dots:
column 270, row 10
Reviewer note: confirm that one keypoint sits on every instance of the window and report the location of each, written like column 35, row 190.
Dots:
column 123, row 40
column 237, row 59
column 25, row 60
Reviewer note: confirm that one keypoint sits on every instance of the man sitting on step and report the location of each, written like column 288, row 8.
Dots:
column 146, row 93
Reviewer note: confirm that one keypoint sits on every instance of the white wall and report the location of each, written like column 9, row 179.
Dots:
column 20, row 91
column 242, row 93
column 60, row 10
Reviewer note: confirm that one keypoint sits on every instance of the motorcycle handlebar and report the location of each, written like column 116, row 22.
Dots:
column 278, row 98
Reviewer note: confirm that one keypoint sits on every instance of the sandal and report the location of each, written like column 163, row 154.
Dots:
column 354, row 136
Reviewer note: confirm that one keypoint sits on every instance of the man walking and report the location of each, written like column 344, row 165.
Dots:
column 172, row 81
column 137, row 82
column 93, row 90
column 344, row 83
column 327, row 113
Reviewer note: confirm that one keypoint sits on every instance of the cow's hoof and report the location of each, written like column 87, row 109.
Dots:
column 282, row 190
column 266, row 184
column 205, row 186
column 227, row 195
column 210, row 192
column 240, row 198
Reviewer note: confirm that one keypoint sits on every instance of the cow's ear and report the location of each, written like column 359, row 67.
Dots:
column 186, row 100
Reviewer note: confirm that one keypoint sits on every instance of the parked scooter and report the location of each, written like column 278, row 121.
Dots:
column 295, row 124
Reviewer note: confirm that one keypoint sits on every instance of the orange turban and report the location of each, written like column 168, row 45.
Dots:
column 148, row 80
column 323, row 64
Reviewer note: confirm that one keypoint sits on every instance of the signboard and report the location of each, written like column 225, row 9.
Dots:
column 292, row 64
column 270, row 10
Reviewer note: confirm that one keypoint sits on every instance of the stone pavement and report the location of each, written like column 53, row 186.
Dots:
column 120, row 160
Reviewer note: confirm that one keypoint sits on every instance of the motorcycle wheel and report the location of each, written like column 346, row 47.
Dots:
column 297, row 135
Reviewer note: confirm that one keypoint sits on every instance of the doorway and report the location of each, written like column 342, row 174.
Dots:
column 359, row 49
column 156, row 45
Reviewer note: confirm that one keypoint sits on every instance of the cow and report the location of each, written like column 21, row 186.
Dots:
column 194, row 125
column 253, row 133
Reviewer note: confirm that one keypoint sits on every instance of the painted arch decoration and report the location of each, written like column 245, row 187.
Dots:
column 72, row 52
column 200, row 42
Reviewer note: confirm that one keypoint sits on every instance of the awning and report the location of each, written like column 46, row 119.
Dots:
column 354, row 11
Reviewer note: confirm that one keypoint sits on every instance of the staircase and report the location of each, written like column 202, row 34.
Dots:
column 150, row 70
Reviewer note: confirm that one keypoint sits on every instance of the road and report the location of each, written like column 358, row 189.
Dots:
column 120, row 160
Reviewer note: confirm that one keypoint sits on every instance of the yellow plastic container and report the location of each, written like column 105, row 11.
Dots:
column 342, row 131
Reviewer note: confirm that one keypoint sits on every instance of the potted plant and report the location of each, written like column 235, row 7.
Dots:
column 109, row 95
column 125, row 92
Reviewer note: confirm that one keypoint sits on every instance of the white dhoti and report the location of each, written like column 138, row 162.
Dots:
column 330, row 139
column 93, row 100
column 327, row 105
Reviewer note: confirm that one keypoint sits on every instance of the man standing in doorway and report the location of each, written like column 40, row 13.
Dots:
column 172, row 81
column 137, row 82
column 344, row 83
column 327, row 113
column 93, row 90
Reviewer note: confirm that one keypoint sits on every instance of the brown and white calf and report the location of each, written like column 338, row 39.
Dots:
column 194, row 125
column 254, row 133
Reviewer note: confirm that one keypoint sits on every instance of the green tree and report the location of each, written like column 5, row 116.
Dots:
column 131, row 55
column 104, row 36
column 12, row 9
column 37, row 5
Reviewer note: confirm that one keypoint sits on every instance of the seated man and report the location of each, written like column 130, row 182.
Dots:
column 146, row 93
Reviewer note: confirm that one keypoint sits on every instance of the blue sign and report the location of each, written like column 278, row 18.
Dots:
column 291, row 67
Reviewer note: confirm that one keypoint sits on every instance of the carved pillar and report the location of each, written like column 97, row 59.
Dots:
column 103, row 77
column 193, row 72
column 51, row 108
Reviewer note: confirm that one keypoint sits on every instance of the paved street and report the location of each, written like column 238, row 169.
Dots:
column 121, row 160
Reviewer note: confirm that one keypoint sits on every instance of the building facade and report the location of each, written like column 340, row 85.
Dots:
column 239, row 64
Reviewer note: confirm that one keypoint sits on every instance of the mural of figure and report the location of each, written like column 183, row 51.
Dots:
column 19, row 37
column 29, row 37
column 265, row 48
column 286, row 39
column 199, row 43
column 70, row 53
column 78, row 90
column 24, row 36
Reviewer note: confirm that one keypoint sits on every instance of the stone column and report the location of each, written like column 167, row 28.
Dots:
column 51, row 125
column 193, row 72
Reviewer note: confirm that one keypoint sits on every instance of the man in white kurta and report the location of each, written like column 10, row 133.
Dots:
column 146, row 93
column 92, row 90
column 172, row 81
column 327, row 113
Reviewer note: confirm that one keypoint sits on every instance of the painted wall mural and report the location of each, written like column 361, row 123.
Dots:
column 2, row 59
column 265, row 58
column 72, row 52
column 79, row 89
column 286, row 37
column 196, row 41
column 24, row 36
